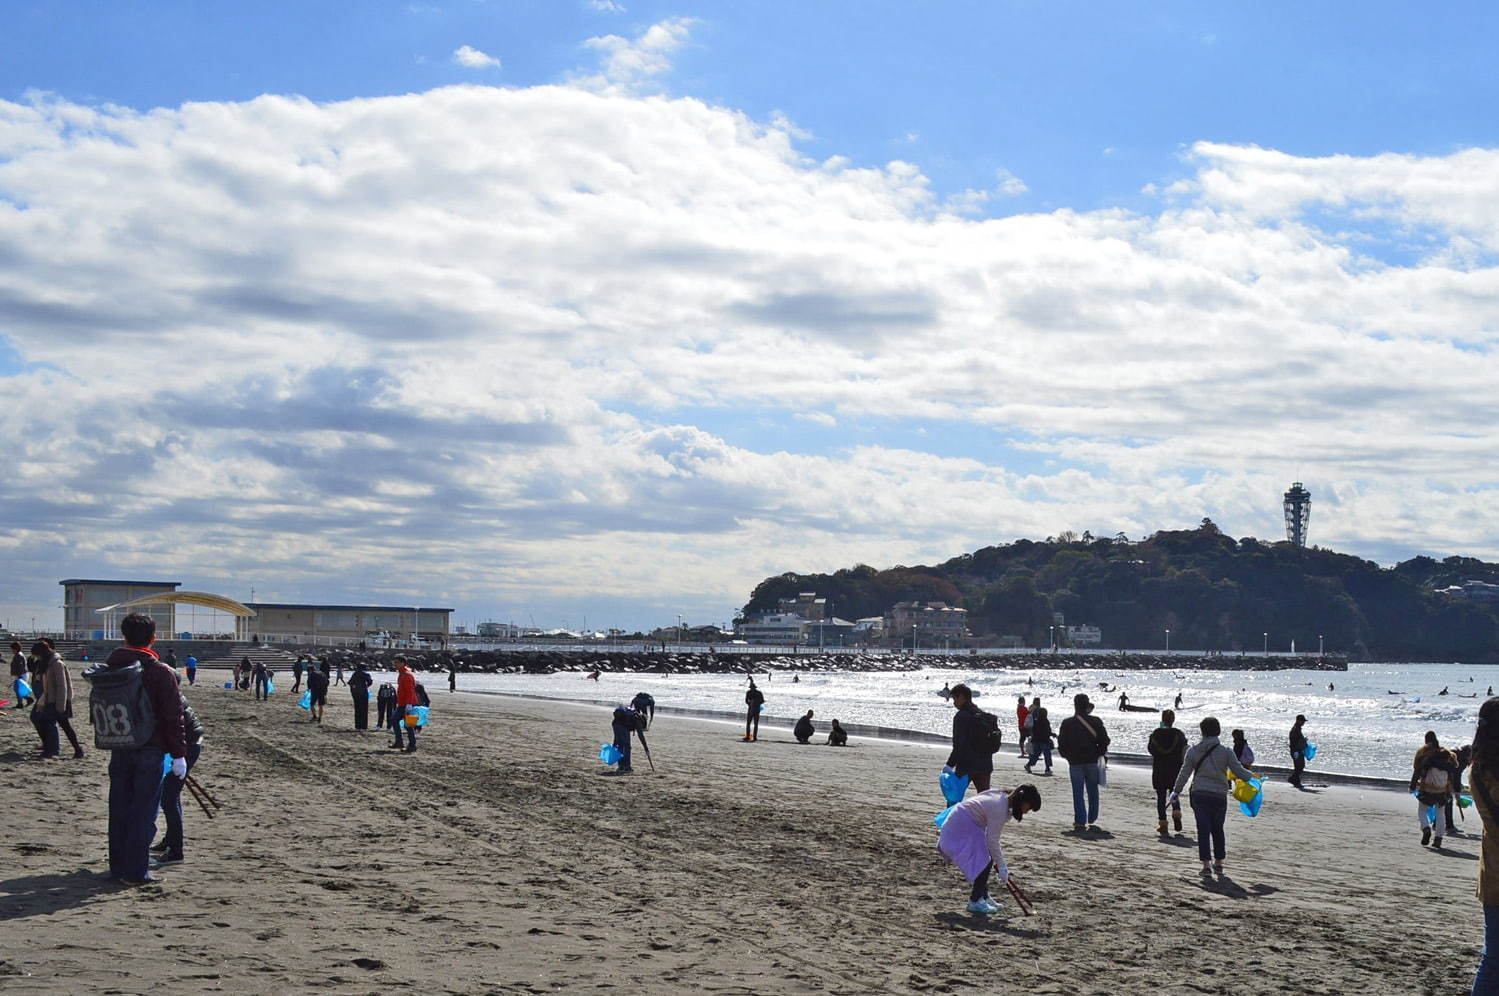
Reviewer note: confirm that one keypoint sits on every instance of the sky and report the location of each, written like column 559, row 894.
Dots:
column 579, row 310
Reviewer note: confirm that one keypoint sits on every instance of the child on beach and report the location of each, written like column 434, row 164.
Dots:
column 972, row 838
column 837, row 736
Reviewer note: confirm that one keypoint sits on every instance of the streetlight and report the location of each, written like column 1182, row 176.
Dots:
column 1319, row 644
column 1168, row 641
column 1267, row 643
column 1051, row 637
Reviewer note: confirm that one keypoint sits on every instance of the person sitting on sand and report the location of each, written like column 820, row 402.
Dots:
column 804, row 730
column 1207, row 765
column 1433, row 777
column 1167, row 746
column 837, row 736
column 1242, row 750
column 972, row 838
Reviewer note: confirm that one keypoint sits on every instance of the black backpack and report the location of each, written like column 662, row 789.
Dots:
column 993, row 738
column 627, row 718
column 119, row 708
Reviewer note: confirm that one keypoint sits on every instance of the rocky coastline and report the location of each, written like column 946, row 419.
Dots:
column 658, row 662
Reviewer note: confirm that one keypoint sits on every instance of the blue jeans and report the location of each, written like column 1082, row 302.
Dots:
column 1036, row 751
column 134, row 798
column 45, row 721
column 171, row 803
column 1487, row 982
column 622, row 741
column 398, row 727
column 1210, row 809
column 1084, row 776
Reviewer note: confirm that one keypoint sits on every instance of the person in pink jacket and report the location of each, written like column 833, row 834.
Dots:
column 971, row 838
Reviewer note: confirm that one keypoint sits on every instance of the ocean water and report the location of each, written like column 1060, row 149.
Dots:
column 1359, row 727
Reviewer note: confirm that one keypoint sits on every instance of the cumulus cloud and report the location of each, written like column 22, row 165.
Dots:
column 1008, row 184
column 627, row 64
column 471, row 58
column 500, row 347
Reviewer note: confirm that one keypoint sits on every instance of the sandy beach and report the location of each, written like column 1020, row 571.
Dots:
column 501, row 858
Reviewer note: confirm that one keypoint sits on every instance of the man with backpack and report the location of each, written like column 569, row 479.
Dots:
column 1084, row 742
column 1168, row 749
column 1433, row 778
column 975, row 739
column 137, row 714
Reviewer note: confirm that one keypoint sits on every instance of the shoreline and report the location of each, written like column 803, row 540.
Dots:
column 895, row 734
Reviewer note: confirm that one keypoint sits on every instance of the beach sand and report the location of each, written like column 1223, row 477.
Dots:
column 501, row 859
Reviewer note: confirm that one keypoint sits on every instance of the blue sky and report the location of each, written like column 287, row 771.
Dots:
column 538, row 309
column 1086, row 102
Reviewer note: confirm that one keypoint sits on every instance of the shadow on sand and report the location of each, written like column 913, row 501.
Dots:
column 39, row 895
column 1225, row 886
column 985, row 925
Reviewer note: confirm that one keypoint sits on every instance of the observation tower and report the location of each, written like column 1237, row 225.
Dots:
column 1298, row 506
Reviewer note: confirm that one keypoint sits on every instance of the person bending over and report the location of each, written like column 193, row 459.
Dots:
column 804, row 730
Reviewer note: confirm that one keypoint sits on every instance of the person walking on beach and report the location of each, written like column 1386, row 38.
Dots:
column 385, row 705
column 170, row 850
column 452, row 675
column 359, row 689
column 1123, row 701
column 803, row 731
column 1433, row 778
column 1022, row 723
column 754, row 700
column 1298, row 751
column 1484, row 781
column 1040, row 737
column 339, row 675
column 136, row 756
column 645, row 704
column 1167, row 747
column 55, row 702
column 974, row 739
column 19, row 668
column 406, row 698
column 972, row 838
column 261, row 681
column 1207, row 765
column 837, row 736
column 1084, row 742
column 191, row 666
column 296, row 672
column 1242, row 750
column 317, row 684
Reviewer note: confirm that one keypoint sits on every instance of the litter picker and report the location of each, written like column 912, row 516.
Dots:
column 1020, row 897
column 201, row 802
column 647, row 748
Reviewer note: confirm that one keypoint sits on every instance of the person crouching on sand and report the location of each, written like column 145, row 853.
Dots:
column 1207, row 765
column 803, row 730
column 972, row 838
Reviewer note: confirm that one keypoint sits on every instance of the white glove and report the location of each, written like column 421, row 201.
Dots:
column 1003, row 873
column 947, row 770
column 1173, row 798
column 179, row 768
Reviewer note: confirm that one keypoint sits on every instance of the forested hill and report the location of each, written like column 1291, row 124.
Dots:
column 1213, row 592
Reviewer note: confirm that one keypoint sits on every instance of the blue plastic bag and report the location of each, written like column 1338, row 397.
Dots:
column 270, row 686
column 228, row 684
column 1431, row 816
column 23, row 690
column 1310, row 752
column 305, row 702
column 420, row 712
column 166, row 765
column 953, row 786
column 371, row 693
column 941, row 817
column 1252, row 807
column 610, row 754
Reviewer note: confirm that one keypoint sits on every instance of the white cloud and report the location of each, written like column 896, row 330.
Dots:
column 606, row 6
column 471, row 58
column 626, row 64
column 466, row 367
column 1008, row 184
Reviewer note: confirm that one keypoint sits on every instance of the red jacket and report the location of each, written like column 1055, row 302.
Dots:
column 406, row 688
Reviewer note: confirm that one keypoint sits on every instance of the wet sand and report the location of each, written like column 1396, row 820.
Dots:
column 501, row 858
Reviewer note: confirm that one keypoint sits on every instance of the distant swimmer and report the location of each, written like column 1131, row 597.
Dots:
column 1491, row 691
column 1329, row 686
column 1178, row 703
column 1443, row 691
column 796, row 679
column 593, row 676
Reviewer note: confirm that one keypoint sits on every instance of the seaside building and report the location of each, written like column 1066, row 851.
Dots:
column 1473, row 591
column 1084, row 636
column 776, row 628
column 833, row 632
column 85, row 599
column 931, row 623
column 807, row 605
column 295, row 622
column 870, row 629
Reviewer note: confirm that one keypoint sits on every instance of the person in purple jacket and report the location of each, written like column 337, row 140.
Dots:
column 135, row 773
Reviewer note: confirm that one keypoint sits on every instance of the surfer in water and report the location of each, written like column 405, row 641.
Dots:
column 946, row 692
column 1178, row 703
column 593, row 676
column 1443, row 691
column 1123, row 701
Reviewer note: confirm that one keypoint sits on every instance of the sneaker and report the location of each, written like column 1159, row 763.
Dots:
column 161, row 848
column 1207, row 869
column 148, row 880
column 1079, row 827
column 980, row 906
column 1436, row 843
column 166, row 859
column 1425, row 836
column 1218, row 867
column 1027, row 769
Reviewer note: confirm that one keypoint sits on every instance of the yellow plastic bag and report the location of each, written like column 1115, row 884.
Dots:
column 1244, row 791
